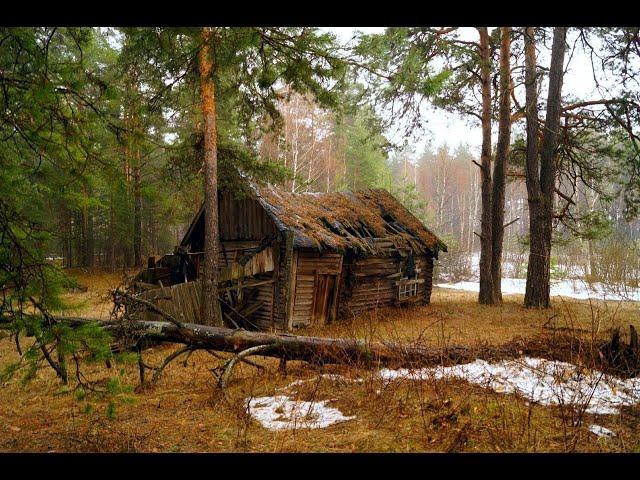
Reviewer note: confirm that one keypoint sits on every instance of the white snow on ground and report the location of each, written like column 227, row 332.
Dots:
column 283, row 413
column 565, row 288
column 547, row 382
column 542, row 381
column 601, row 431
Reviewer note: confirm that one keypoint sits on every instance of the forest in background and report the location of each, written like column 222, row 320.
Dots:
column 132, row 185
column 110, row 135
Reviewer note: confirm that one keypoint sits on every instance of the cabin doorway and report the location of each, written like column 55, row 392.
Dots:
column 325, row 298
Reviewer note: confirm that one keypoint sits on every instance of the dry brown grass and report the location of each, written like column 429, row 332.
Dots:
column 96, row 301
column 455, row 317
column 185, row 412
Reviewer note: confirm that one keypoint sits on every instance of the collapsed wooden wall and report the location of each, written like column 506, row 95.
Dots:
column 272, row 315
column 232, row 266
column 182, row 301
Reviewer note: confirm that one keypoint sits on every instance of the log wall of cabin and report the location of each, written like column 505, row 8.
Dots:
column 428, row 279
column 244, row 220
column 309, row 264
column 367, row 286
column 243, row 225
column 266, row 316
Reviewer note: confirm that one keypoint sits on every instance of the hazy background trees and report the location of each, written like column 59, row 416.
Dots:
column 103, row 138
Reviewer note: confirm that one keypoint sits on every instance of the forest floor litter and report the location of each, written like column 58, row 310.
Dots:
column 348, row 409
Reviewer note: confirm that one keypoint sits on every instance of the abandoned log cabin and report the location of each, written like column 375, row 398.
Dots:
column 295, row 259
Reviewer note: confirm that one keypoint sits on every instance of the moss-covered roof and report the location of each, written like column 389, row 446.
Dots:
column 369, row 221
column 341, row 220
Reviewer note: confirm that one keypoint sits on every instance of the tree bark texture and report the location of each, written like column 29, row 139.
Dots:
column 486, row 295
column 211, row 314
column 501, row 162
column 137, row 213
column 541, row 185
column 320, row 350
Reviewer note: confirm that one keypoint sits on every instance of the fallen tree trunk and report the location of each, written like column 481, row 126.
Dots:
column 352, row 351
column 298, row 347
column 138, row 335
column 133, row 334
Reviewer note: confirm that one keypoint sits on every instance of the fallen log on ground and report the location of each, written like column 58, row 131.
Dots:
column 305, row 348
column 133, row 334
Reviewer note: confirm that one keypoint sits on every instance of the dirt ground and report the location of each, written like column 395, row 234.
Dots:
column 185, row 411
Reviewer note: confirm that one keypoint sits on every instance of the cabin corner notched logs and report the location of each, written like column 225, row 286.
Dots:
column 289, row 260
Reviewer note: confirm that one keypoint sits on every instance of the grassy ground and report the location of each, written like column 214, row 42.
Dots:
column 185, row 412
column 96, row 301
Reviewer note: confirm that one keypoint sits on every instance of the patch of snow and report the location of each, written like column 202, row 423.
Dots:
column 283, row 413
column 542, row 381
column 475, row 264
column 601, row 431
column 565, row 288
column 509, row 267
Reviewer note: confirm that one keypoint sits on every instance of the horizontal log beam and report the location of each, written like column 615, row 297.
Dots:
column 298, row 347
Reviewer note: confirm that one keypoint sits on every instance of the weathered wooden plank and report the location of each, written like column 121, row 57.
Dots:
column 291, row 259
column 193, row 305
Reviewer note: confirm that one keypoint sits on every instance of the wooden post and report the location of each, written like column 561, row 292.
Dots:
column 428, row 280
column 336, row 291
column 276, row 284
column 291, row 262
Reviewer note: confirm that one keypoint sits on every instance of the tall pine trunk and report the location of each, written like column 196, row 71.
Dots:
column 127, row 245
column 486, row 295
column 533, row 291
column 137, row 213
column 211, row 314
column 501, row 161
column 67, row 246
column 111, row 247
column 542, row 190
column 86, row 229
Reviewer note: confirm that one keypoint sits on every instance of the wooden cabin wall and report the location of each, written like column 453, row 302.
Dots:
column 243, row 219
column 230, row 250
column 309, row 266
column 243, row 225
column 369, row 288
column 230, row 255
column 271, row 316
column 239, row 220
column 266, row 317
column 428, row 279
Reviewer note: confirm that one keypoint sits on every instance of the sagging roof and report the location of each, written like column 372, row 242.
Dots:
column 367, row 220
column 340, row 220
